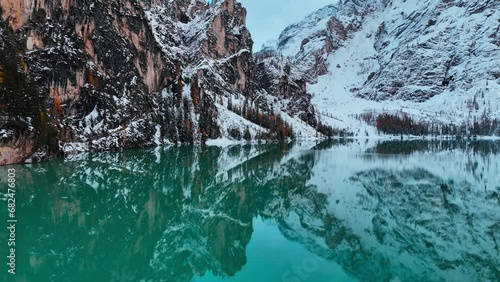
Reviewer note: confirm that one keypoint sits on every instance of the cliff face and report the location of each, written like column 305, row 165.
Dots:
column 106, row 74
column 287, row 84
column 81, row 58
column 204, row 35
column 311, row 41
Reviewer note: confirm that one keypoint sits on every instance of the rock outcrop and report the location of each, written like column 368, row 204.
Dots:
column 310, row 41
column 287, row 83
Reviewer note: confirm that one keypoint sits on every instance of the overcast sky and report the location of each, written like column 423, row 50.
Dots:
column 267, row 18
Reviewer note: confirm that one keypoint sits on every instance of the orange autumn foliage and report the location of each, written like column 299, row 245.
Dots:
column 57, row 109
column 123, row 130
column 23, row 65
column 93, row 79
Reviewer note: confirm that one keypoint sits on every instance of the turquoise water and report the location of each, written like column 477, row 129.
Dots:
column 272, row 257
column 333, row 211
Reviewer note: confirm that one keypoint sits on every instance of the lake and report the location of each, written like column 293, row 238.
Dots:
column 322, row 212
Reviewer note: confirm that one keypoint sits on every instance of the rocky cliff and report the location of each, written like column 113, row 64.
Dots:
column 94, row 68
column 310, row 41
column 95, row 75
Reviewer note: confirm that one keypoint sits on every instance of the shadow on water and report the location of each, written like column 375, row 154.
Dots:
column 482, row 147
column 332, row 143
column 175, row 214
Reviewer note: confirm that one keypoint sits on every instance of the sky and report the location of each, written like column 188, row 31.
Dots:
column 266, row 19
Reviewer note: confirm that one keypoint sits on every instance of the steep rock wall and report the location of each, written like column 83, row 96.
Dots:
column 122, row 74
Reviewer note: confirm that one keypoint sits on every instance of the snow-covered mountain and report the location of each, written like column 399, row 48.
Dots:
column 437, row 61
column 81, row 76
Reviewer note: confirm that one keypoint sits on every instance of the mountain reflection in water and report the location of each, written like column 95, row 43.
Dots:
column 397, row 211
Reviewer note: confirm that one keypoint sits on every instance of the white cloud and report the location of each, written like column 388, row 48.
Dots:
column 267, row 18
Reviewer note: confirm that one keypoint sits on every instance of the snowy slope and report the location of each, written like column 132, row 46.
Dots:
column 437, row 61
column 291, row 38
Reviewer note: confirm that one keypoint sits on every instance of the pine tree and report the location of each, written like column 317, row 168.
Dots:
column 230, row 103
column 246, row 135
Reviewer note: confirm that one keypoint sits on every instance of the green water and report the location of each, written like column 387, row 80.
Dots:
column 335, row 211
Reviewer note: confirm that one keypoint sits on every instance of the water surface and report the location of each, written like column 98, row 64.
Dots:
column 333, row 211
